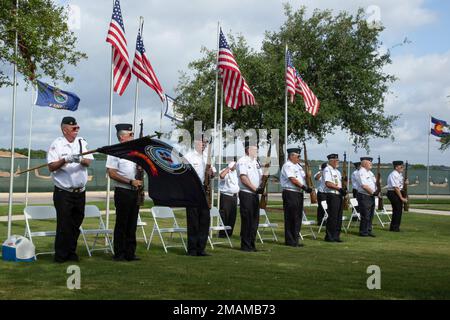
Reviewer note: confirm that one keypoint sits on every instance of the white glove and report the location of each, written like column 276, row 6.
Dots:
column 76, row 158
column 68, row 158
column 231, row 165
column 72, row 158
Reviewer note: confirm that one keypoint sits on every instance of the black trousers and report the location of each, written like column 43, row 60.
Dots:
column 334, row 221
column 198, row 222
column 321, row 196
column 69, row 217
column 397, row 210
column 293, row 213
column 127, row 211
column 249, row 219
column 366, row 206
column 228, row 211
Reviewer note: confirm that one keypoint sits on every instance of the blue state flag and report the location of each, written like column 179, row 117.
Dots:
column 48, row 96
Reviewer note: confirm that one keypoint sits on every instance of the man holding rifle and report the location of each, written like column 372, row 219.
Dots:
column 126, row 194
column 250, row 174
column 395, row 186
column 293, row 183
column 69, row 174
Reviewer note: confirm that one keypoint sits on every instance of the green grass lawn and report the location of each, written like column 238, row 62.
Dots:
column 415, row 264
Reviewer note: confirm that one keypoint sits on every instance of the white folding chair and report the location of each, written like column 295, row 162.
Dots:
column 382, row 213
column 355, row 213
column 42, row 213
column 217, row 225
column 161, row 213
column 266, row 224
column 325, row 217
column 141, row 224
column 92, row 212
column 308, row 223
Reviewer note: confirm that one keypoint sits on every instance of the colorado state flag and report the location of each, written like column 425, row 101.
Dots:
column 439, row 128
column 52, row 97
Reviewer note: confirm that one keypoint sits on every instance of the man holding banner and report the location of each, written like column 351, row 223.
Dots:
column 69, row 174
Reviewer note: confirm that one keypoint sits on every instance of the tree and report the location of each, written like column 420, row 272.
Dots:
column 337, row 56
column 45, row 43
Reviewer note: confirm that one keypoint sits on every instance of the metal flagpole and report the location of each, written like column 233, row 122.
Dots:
column 220, row 147
column 136, row 97
column 13, row 130
column 29, row 147
column 285, row 110
column 108, row 184
column 428, row 159
column 216, row 98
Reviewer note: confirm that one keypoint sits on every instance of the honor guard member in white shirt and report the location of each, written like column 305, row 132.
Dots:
column 69, row 174
column 355, row 179
column 123, row 172
column 293, row 182
column 395, row 186
column 366, row 197
column 321, row 195
column 355, row 185
column 198, row 219
column 229, row 189
column 335, row 196
column 250, row 174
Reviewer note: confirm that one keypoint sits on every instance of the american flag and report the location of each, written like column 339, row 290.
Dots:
column 235, row 89
column 296, row 85
column 116, row 37
column 142, row 68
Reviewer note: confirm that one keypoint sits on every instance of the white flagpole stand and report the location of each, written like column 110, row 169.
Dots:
column 136, row 97
column 108, row 184
column 13, row 132
column 220, row 147
column 428, row 159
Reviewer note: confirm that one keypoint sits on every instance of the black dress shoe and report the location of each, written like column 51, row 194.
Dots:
column 329, row 240
column 363, row 235
column 246, row 249
column 203, row 254
column 59, row 260
column 118, row 258
column 73, row 257
column 339, row 240
column 192, row 253
column 133, row 258
column 372, row 235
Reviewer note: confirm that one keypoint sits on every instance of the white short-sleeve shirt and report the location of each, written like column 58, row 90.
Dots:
column 70, row 175
column 355, row 180
column 366, row 178
column 250, row 168
column 197, row 160
column 331, row 175
column 395, row 180
column 230, row 183
column 292, row 170
column 124, row 167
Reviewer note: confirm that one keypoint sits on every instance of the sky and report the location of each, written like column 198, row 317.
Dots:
column 176, row 30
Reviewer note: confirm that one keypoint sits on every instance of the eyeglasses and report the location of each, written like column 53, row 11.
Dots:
column 131, row 134
column 75, row 128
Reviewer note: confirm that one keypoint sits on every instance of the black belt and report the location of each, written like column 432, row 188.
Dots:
column 72, row 190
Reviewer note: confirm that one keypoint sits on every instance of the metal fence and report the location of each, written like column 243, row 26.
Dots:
column 40, row 180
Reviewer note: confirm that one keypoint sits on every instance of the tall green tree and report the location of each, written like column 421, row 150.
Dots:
column 46, row 45
column 337, row 55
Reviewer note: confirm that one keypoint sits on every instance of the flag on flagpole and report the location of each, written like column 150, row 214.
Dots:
column 439, row 128
column 172, row 110
column 48, row 96
column 312, row 104
column 172, row 179
column 143, row 70
column 236, row 91
column 116, row 37
column 296, row 85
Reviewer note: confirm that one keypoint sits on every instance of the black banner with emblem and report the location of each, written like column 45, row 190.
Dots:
column 172, row 181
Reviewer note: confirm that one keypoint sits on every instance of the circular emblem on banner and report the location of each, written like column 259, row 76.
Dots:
column 60, row 97
column 166, row 160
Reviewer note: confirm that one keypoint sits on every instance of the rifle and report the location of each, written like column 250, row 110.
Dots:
column 344, row 181
column 405, row 188
column 207, row 182
column 313, row 194
column 378, row 183
column 264, row 185
column 140, row 173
